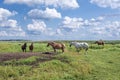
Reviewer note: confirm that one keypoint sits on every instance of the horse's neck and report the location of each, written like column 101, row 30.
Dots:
column 52, row 45
column 25, row 45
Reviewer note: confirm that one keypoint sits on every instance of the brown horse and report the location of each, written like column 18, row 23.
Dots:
column 23, row 47
column 56, row 46
column 31, row 47
column 100, row 42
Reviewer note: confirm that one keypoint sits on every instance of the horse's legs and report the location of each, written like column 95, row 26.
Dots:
column 86, row 50
column 103, row 44
column 54, row 50
column 62, row 50
column 77, row 49
column 22, row 49
column 25, row 49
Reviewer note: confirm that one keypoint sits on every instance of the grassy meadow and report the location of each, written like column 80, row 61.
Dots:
column 100, row 63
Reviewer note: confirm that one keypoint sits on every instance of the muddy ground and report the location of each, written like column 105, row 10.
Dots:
column 11, row 56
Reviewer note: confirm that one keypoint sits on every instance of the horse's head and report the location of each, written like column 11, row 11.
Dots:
column 71, row 43
column 96, row 42
column 63, row 45
column 50, row 43
column 25, row 44
column 32, row 43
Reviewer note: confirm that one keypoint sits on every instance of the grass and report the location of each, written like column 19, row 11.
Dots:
column 101, row 63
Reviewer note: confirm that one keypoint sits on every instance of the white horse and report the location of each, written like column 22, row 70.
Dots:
column 79, row 46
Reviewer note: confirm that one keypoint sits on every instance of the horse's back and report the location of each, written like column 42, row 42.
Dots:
column 59, row 45
column 100, row 42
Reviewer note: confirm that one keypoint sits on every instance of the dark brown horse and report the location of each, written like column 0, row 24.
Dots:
column 31, row 47
column 100, row 42
column 23, row 47
column 56, row 46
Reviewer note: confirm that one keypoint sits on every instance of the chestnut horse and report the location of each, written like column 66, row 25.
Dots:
column 31, row 47
column 100, row 42
column 23, row 47
column 56, row 46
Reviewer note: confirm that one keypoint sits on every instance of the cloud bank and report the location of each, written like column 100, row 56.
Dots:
column 55, row 3
column 114, row 4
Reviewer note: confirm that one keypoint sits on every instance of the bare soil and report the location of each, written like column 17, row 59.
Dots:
column 10, row 56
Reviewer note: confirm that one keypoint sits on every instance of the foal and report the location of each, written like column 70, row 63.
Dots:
column 23, row 47
column 31, row 47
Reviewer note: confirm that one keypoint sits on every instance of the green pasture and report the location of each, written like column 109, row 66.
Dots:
column 100, row 63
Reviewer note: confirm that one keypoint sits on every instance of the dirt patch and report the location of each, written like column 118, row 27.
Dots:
column 10, row 56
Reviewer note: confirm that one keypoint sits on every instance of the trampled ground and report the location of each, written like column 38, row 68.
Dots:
column 11, row 56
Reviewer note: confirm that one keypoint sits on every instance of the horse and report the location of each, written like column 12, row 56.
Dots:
column 56, row 46
column 100, row 42
column 23, row 47
column 79, row 46
column 31, row 47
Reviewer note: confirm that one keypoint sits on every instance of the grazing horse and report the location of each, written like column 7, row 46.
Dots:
column 56, row 46
column 23, row 47
column 31, row 47
column 100, row 42
column 79, row 46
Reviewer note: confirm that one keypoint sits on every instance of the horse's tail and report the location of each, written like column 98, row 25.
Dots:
column 63, row 45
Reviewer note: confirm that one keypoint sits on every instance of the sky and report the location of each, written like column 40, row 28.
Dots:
column 60, row 19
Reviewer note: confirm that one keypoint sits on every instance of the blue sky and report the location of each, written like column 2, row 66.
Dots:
column 60, row 19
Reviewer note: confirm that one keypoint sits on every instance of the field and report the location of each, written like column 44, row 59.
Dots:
column 100, row 63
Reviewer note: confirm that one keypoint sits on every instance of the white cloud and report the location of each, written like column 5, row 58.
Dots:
column 4, row 21
column 9, row 27
column 55, row 3
column 68, row 3
column 37, row 26
column 3, row 33
column 4, row 14
column 59, row 32
column 10, row 23
column 107, row 29
column 12, row 32
column 95, row 28
column 46, row 14
column 114, row 4
column 73, row 24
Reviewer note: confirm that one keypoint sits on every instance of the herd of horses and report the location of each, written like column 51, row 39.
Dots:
column 56, row 45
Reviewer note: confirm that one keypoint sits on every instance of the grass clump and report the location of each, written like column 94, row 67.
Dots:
column 13, row 73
